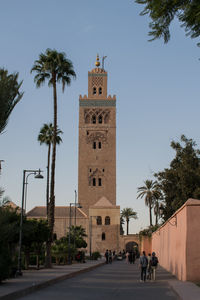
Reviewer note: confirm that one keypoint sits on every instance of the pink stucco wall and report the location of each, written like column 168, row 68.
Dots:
column 193, row 242
column 177, row 242
column 145, row 244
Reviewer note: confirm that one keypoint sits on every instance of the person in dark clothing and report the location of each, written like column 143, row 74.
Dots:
column 130, row 257
column 110, row 256
column 143, row 266
column 107, row 256
column 133, row 257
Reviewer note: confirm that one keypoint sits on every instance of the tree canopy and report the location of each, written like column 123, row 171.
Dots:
column 128, row 213
column 151, row 193
column 182, row 179
column 9, row 95
column 162, row 13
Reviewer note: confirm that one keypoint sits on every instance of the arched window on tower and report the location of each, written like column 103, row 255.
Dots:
column 87, row 119
column 94, row 91
column 107, row 220
column 99, row 220
column 100, row 119
column 100, row 181
column 99, row 145
column 100, row 91
column 94, row 145
column 106, row 119
column 93, row 119
column 103, row 236
column 94, row 181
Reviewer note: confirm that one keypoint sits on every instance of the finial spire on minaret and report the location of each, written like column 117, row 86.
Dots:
column 97, row 63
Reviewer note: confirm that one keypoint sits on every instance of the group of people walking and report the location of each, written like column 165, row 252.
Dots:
column 130, row 257
column 148, row 265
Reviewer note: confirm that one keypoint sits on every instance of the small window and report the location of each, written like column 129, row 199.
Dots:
column 106, row 118
column 87, row 120
column 100, row 91
column 90, row 170
column 100, row 183
column 107, row 220
column 103, row 170
column 94, row 145
column 99, row 145
column 94, row 91
column 87, row 132
column 94, row 181
column 100, row 119
column 94, row 119
column 103, row 236
column 99, row 220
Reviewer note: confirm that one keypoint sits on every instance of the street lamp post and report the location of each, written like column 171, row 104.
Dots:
column 90, row 228
column 69, row 234
column 75, row 208
column 38, row 175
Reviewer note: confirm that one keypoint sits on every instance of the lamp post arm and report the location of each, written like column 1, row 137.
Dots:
column 25, row 192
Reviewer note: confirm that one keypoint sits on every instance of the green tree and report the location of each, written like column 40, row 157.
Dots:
column 46, row 137
column 54, row 67
column 35, row 234
column 60, row 250
column 162, row 13
column 9, row 95
column 150, row 192
column 182, row 179
column 127, row 214
column 77, row 235
column 9, row 237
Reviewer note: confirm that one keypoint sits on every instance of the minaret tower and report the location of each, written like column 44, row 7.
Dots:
column 97, row 142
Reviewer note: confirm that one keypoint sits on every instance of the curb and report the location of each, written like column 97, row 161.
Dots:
column 33, row 288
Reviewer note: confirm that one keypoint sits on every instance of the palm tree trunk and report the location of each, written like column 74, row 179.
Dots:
column 47, row 189
column 156, row 212
column 150, row 214
column 127, row 224
column 52, row 185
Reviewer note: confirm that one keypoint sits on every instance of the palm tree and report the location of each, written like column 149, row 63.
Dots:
column 127, row 214
column 121, row 225
column 157, row 205
column 54, row 67
column 46, row 137
column 9, row 95
column 150, row 192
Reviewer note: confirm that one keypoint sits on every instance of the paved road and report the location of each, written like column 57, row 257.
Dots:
column 115, row 281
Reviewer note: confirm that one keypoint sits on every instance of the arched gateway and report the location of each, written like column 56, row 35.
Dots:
column 130, row 242
column 130, row 246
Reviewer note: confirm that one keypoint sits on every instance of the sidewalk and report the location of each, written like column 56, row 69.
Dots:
column 185, row 290
column 33, row 280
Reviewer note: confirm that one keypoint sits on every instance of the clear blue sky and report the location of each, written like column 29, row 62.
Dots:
column 157, row 88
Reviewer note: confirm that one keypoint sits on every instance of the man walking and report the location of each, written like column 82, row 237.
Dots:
column 143, row 266
column 154, row 264
column 107, row 256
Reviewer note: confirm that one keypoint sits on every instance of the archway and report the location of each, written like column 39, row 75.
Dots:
column 133, row 246
column 130, row 246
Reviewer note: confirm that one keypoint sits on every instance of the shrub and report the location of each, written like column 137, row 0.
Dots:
column 95, row 255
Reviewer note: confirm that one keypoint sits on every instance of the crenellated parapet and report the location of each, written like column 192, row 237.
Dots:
column 85, row 97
